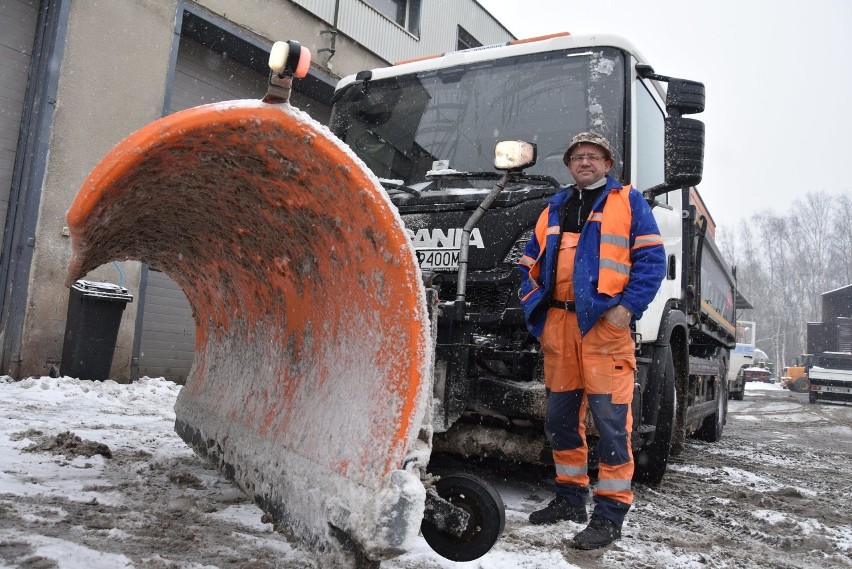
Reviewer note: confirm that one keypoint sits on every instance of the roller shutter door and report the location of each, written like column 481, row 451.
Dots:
column 18, row 20
column 167, row 345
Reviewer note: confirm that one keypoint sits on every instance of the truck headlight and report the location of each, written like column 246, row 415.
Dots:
column 517, row 250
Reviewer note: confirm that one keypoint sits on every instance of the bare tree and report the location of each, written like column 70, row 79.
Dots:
column 773, row 231
column 842, row 238
column 785, row 262
column 812, row 224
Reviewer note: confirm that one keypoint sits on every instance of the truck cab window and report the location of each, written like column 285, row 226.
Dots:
column 649, row 137
column 400, row 126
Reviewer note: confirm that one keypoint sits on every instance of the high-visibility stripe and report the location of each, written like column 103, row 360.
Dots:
column 541, row 228
column 617, row 240
column 526, row 296
column 566, row 470
column 619, row 268
column 647, row 241
column 596, row 216
column 612, row 485
column 555, row 230
column 526, row 261
column 614, row 267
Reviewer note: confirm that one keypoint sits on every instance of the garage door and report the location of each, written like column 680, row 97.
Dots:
column 167, row 345
column 18, row 19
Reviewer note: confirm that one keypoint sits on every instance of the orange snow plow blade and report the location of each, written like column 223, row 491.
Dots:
column 313, row 349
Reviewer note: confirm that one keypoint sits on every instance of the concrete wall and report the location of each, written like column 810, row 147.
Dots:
column 112, row 81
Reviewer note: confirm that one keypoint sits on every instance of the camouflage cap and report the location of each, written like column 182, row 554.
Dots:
column 590, row 138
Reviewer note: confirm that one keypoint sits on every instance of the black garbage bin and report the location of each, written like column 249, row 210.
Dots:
column 91, row 329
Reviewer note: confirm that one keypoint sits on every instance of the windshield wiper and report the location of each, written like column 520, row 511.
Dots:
column 513, row 177
column 456, row 174
column 398, row 185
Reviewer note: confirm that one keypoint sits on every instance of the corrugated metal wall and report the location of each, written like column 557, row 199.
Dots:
column 439, row 21
column 168, row 330
column 202, row 75
column 167, row 345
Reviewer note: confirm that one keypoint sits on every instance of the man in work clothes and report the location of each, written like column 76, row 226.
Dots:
column 594, row 263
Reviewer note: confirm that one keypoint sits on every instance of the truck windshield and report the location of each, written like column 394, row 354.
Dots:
column 450, row 119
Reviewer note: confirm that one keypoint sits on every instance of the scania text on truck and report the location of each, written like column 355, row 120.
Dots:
column 427, row 129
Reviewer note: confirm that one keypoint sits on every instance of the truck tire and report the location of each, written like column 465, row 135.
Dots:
column 711, row 428
column 651, row 460
column 801, row 385
column 812, row 398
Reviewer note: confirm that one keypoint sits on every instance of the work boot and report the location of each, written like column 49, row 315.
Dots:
column 558, row 510
column 599, row 533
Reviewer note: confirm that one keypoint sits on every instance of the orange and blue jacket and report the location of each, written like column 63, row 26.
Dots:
column 624, row 267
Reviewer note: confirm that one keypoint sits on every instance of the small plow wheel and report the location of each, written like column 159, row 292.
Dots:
column 487, row 518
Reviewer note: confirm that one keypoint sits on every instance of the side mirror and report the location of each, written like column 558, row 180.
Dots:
column 683, row 97
column 686, row 96
column 514, row 155
column 684, row 156
column 684, row 151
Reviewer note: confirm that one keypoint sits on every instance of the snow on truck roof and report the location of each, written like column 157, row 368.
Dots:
column 540, row 44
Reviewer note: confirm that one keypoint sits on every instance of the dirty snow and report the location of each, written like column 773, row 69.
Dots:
column 772, row 493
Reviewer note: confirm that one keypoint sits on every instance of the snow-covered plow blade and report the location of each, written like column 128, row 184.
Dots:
column 313, row 346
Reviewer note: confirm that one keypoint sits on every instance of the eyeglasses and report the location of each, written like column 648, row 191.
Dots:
column 589, row 157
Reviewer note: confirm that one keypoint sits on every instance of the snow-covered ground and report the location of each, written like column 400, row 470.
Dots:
column 92, row 476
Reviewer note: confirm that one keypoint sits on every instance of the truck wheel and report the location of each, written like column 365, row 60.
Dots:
column 651, row 459
column 812, row 398
column 802, row 385
column 487, row 518
column 711, row 428
column 738, row 394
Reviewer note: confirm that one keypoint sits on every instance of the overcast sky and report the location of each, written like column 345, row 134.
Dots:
column 778, row 79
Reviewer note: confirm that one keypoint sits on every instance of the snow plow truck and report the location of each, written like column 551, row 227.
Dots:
column 355, row 289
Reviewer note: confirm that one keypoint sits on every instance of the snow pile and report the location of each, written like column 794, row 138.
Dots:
column 38, row 414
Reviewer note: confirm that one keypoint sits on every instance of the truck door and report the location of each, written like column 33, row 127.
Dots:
column 647, row 170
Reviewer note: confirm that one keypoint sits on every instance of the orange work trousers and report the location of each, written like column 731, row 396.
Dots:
column 592, row 372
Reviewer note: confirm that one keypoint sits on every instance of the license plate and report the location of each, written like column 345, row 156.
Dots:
column 442, row 259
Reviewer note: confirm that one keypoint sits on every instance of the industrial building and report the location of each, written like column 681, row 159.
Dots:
column 77, row 76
